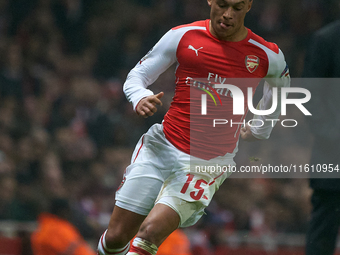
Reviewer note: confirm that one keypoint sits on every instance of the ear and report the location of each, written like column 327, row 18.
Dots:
column 249, row 5
column 209, row 2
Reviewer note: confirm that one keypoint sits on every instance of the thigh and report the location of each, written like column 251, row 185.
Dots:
column 151, row 163
column 188, row 192
column 139, row 192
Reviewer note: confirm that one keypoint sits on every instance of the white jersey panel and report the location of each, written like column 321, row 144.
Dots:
column 277, row 62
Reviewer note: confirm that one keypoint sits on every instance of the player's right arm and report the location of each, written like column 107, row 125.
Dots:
column 147, row 106
column 147, row 70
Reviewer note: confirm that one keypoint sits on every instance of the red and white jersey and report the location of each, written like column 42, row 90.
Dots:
column 200, row 55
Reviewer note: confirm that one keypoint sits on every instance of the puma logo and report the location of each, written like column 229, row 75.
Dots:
column 190, row 47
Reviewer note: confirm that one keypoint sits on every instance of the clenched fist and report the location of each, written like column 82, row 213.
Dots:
column 147, row 105
column 247, row 135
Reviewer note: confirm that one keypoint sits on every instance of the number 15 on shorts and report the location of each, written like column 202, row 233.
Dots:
column 196, row 195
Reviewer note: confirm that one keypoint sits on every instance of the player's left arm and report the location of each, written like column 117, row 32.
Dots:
column 278, row 76
column 247, row 135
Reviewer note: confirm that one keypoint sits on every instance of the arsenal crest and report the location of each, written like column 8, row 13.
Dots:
column 252, row 62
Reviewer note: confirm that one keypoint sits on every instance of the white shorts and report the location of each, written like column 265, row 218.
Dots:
column 160, row 173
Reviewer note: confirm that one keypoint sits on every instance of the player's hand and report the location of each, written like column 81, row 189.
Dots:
column 147, row 105
column 247, row 135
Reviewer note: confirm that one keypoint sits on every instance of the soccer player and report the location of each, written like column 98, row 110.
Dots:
column 160, row 192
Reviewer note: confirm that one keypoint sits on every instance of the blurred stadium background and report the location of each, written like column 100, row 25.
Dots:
column 66, row 129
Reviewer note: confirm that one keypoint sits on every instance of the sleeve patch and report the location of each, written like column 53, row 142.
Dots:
column 285, row 72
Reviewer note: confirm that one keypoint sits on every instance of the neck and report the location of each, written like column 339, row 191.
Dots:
column 239, row 35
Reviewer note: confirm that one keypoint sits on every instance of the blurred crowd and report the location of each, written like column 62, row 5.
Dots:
column 66, row 129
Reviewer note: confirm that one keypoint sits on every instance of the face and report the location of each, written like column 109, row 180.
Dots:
column 227, row 18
